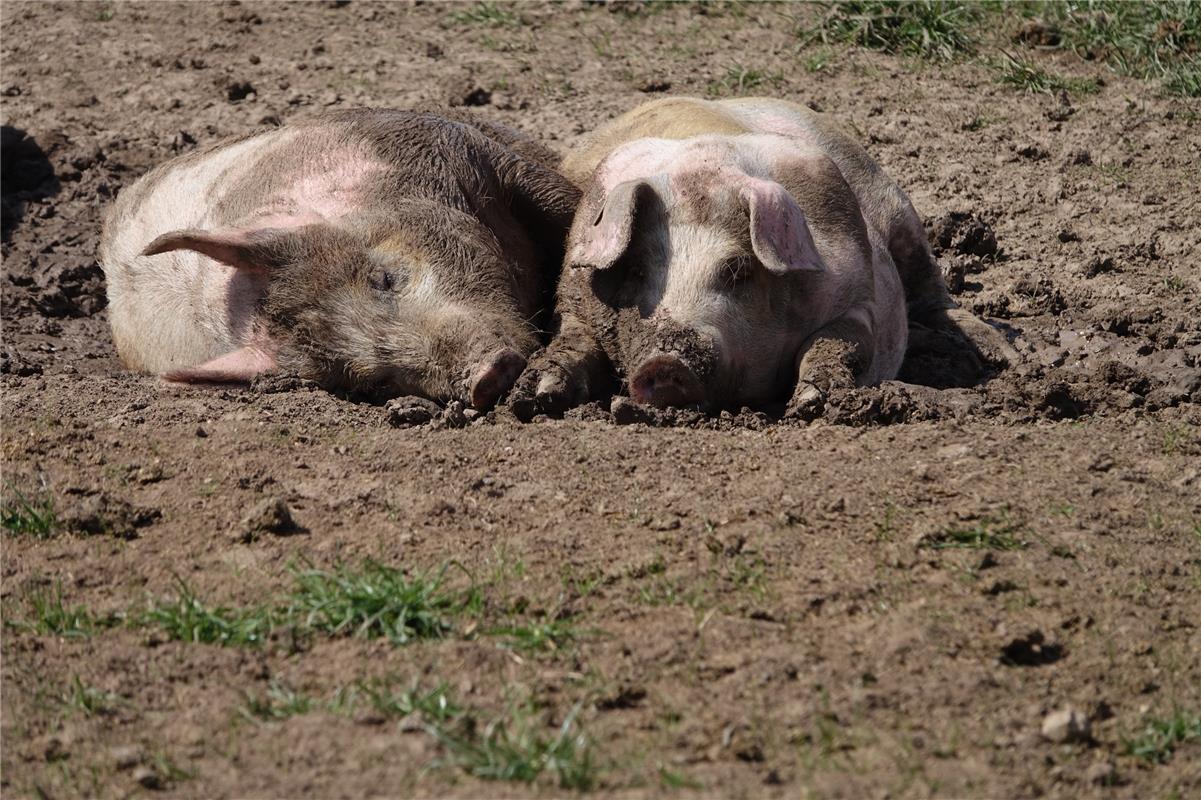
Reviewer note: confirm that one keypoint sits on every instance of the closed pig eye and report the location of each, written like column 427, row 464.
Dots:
column 382, row 280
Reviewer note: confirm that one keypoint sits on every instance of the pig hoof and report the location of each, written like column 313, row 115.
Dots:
column 808, row 402
column 495, row 377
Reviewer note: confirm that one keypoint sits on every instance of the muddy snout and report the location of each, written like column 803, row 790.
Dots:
column 494, row 375
column 664, row 380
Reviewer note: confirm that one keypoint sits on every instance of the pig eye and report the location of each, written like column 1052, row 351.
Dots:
column 382, row 281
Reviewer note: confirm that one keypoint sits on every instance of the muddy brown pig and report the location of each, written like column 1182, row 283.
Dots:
column 730, row 253
column 391, row 252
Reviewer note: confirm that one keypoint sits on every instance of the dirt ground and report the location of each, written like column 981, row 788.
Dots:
column 888, row 602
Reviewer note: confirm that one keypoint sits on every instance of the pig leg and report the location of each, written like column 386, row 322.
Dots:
column 928, row 300
column 572, row 370
column 837, row 356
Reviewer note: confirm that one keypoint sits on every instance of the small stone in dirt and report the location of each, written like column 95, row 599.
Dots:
column 270, row 516
column 147, row 778
column 126, row 756
column 1101, row 773
column 453, row 416
column 654, row 85
column 478, row 96
column 1066, row 725
column 201, row 432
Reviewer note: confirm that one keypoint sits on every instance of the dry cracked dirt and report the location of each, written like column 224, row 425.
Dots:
column 935, row 590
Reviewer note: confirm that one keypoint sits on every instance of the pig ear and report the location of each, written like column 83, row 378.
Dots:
column 240, row 366
column 605, row 240
column 779, row 233
column 253, row 249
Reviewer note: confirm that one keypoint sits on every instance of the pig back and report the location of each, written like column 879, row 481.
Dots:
column 175, row 310
column 669, row 118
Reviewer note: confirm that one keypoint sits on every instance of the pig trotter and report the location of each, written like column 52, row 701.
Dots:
column 558, row 378
column 834, row 358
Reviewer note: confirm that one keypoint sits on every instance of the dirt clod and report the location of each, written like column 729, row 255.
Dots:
column 272, row 515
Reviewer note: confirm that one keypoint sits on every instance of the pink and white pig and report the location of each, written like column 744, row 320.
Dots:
column 731, row 253
column 374, row 251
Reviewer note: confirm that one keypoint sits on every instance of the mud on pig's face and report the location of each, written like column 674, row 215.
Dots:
column 420, row 306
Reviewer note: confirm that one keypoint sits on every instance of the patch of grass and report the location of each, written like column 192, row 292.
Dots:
column 373, row 601
column 189, row 619
column 515, row 747
column 279, row 702
column 491, row 14
column 677, row 780
column 52, row 615
column 987, row 534
column 88, row 700
column 434, row 706
column 930, row 29
column 1158, row 740
column 739, row 79
column 1022, row 73
column 547, row 634
column 28, row 516
column 1153, row 41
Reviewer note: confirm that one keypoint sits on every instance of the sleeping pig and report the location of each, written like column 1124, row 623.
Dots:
column 731, row 253
column 372, row 251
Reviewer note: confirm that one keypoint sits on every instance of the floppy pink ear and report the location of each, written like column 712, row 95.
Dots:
column 245, row 249
column 602, row 243
column 240, row 366
column 779, row 233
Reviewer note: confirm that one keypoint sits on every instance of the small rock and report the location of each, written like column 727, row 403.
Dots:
column 1102, row 773
column 270, row 516
column 654, row 85
column 1066, row 725
column 147, row 778
column 126, row 756
column 201, row 432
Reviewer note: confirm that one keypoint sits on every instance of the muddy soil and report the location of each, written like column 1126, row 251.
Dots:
column 887, row 601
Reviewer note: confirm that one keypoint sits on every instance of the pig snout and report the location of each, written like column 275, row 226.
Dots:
column 494, row 376
column 665, row 380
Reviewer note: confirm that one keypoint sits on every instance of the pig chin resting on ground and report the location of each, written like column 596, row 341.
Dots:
column 731, row 253
column 373, row 251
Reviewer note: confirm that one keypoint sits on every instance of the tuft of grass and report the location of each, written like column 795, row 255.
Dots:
column 1022, row 73
column 931, row 29
column 739, row 79
column 1153, row 41
column 515, row 747
column 52, row 615
column 434, row 706
column 373, row 601
column 987, row 534
column 88, row 700
column 189, row 619
column 1158, row 740
column 546, row 634
column 28, row 516
column 487, row 13
column 279, row 702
